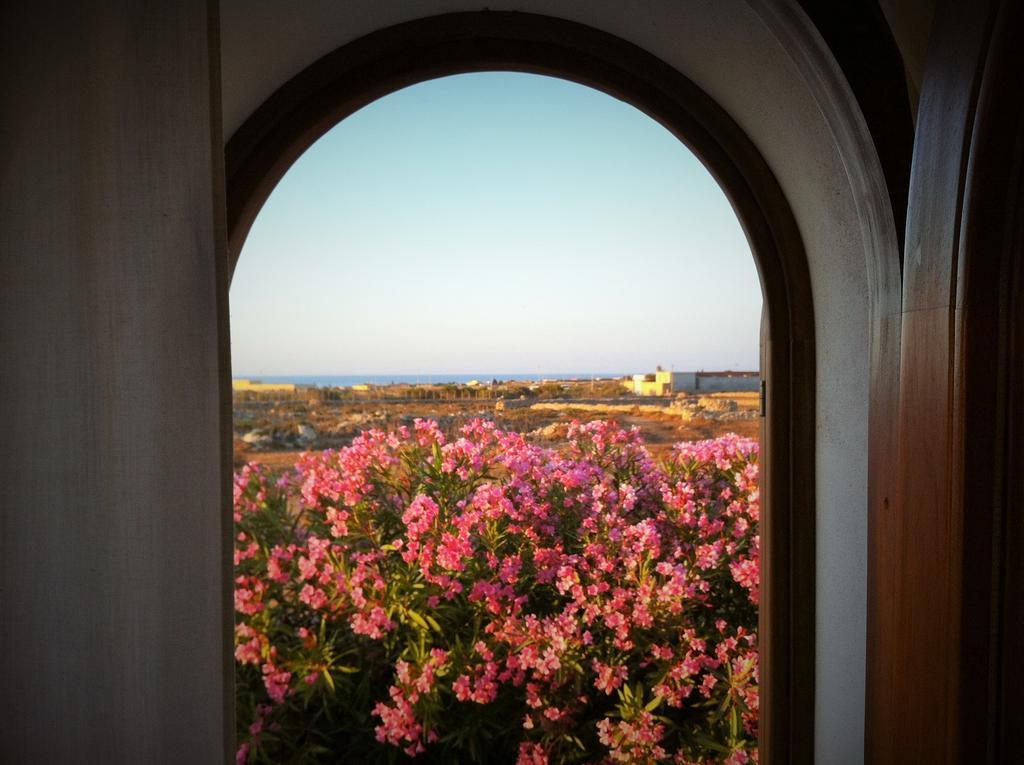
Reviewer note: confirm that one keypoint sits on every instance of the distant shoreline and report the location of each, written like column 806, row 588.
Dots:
column 345, row 381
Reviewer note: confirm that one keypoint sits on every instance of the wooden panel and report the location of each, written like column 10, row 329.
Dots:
column 946, row 604
column 991, row 361
column 1010, row 669
column 914, row 546
column 942, row 144
column 882, row 483
column 923, row 632
column 912, row 623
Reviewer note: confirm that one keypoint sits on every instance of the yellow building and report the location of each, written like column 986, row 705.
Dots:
column 262, row 387
column 663, row 383
column 657, row 384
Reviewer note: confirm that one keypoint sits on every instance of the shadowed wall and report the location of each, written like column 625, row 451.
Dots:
column 112, row 586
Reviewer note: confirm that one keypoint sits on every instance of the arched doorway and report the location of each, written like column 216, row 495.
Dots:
column 343, row 81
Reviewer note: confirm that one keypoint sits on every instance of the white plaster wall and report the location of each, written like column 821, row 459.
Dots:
column 741, row 52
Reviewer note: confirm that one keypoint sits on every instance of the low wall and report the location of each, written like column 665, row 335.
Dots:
column 720, row 384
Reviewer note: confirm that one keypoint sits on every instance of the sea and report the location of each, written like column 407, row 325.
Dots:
column 344, row 381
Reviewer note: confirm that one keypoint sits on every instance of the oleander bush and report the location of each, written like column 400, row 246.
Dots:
column 488, row 600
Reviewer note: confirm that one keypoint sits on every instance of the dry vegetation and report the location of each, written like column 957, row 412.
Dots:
column 274, row 428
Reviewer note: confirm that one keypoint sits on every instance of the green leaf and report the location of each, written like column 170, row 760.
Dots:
column 572, row 739
column 420, row 621
column 710, row 743
column 653, row 703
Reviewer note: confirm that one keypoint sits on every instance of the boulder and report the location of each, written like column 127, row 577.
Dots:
column 717, row 404
column 555, row 430
column 256, row 438
column 306, row 434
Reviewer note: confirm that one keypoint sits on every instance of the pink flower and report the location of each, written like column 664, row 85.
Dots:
column 634, row 740
column 531, row 753
column 488, row 568
column 609, row 677
column 276, row 681
column 374, row 624
column 250, row 643
column 312, row 596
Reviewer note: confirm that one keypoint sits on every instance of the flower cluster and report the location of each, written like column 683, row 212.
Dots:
column 484, row 599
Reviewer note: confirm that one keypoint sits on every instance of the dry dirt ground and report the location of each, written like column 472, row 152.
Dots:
column 276, row 432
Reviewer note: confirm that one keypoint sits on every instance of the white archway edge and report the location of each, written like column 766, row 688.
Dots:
column 764, row 63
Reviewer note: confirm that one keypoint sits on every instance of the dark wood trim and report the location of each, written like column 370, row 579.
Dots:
column 989, row 385
column 224, row 268
column 1009, row 659
column 944, row 687
column 356, row 74
column 912, row 628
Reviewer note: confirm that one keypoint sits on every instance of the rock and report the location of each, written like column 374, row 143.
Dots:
column 743, row 414
column 555, row 430
column 256, row 438
column 717, row 404
column 306, row 434
column 684, row 408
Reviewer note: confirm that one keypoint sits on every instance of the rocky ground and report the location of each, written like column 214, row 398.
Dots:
column 274, row 431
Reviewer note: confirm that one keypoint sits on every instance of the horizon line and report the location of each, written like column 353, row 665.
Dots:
column 484, row 374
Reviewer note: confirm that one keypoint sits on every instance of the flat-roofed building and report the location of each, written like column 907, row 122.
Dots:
column 241, row 383
column 666, row 383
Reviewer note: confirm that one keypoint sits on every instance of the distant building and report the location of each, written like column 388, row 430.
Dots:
column 660, row 383
column 256, row 385
column 665, row 383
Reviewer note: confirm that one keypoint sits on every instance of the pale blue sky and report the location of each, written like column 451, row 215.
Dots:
column 490, row 223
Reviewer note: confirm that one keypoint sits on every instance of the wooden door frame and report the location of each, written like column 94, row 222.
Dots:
column 946, row 606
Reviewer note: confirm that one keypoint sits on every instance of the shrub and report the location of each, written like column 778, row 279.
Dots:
column 488, row 600
column 551, row 390
column 518, row 391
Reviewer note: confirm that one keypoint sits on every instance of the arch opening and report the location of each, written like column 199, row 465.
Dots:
column 359, row 73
